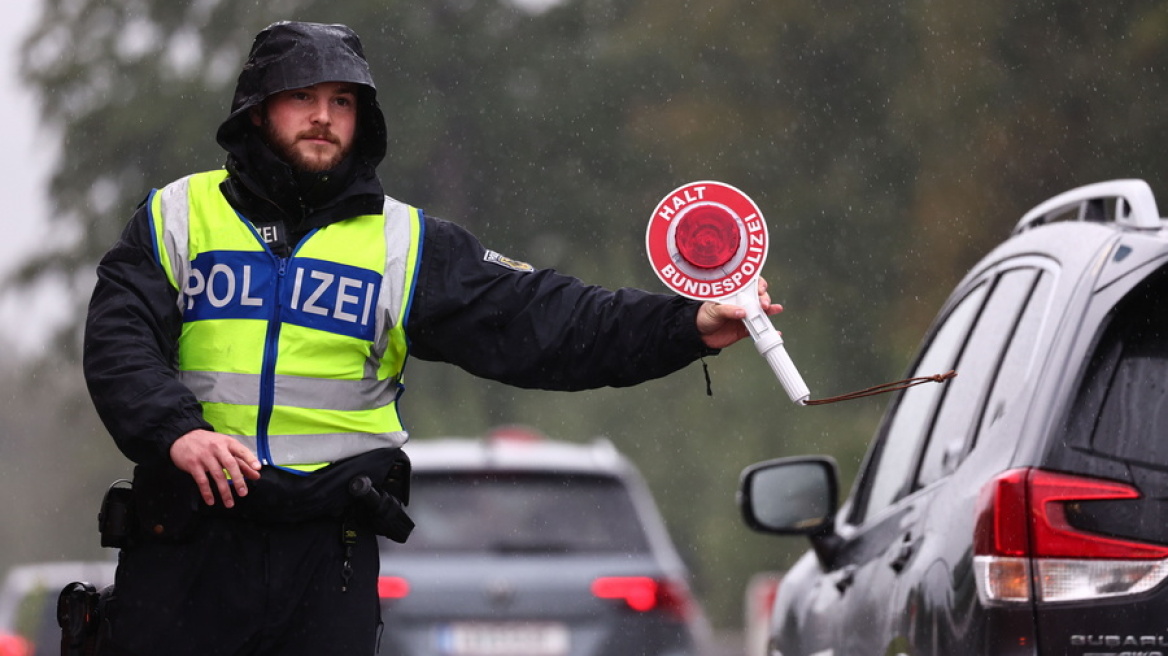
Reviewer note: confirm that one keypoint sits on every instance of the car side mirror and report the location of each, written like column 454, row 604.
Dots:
column 794, row 496
column 790, row 496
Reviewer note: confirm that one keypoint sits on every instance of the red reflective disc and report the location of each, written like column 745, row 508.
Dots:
column 707, row 236
column 706, row 240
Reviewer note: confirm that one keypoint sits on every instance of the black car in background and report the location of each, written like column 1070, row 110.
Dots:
column 526, row 546
column 1021, row 508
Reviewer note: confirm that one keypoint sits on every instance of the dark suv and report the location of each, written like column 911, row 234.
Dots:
column 1022, row 507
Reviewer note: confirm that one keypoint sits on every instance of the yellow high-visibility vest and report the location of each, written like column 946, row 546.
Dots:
column 299, row 358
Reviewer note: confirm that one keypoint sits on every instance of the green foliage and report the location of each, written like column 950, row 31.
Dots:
column 889, row 145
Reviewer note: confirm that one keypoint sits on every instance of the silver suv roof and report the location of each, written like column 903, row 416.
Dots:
column 515, row 449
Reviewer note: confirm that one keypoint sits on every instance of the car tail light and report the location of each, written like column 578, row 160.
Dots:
column 514, row 434
column 1023, row 542
column 14, row 645
column 392, row 587
column 645, row 594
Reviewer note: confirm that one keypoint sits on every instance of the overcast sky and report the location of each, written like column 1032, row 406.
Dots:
column 23, row 171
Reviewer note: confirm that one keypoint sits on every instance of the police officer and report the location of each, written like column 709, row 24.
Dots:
column 245, row 344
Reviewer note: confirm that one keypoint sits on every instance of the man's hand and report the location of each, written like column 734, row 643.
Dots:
column 720, row 325
column 208, row 456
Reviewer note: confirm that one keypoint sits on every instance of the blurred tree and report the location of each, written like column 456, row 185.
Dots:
column 888, row 144
column 54, row 465
column 1009, row 104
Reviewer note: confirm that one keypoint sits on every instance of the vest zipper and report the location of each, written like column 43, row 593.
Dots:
column 268, row 367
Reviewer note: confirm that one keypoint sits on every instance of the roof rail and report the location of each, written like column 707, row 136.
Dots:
column 604, row 451
column 1135, row 206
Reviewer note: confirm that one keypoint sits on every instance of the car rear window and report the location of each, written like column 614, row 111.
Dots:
column 521, row 513
column 1122, row 407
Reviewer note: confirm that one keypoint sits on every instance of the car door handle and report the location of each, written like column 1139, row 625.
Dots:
column 845, row 578
column 903, row 552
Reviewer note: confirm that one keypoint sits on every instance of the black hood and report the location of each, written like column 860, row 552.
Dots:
column 294, row 55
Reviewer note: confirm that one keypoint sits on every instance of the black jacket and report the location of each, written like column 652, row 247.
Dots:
column 536, row 329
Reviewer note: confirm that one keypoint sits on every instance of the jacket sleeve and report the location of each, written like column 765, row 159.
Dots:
column 130, row 350
column 539, row 328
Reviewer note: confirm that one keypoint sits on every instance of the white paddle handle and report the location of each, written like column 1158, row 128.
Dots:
column 769, row 343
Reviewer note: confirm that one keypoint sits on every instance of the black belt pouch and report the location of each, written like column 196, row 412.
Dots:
column 167, row 502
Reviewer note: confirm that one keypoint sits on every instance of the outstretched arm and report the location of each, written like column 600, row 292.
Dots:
column 537, row 328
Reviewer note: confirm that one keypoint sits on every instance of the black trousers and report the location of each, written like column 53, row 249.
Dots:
column 246, row 588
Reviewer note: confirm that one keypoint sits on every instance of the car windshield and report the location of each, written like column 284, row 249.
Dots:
column 521, row 513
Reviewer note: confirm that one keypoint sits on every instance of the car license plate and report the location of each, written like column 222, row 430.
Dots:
column 503, row 639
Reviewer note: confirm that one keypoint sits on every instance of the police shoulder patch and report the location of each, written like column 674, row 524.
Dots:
column 506, row 262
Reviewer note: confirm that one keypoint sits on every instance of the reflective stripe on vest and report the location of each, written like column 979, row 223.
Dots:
column 299, row 358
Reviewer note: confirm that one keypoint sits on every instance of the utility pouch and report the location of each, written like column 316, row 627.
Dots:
column 167, row 504
column 116, row 520
column 397, row 481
